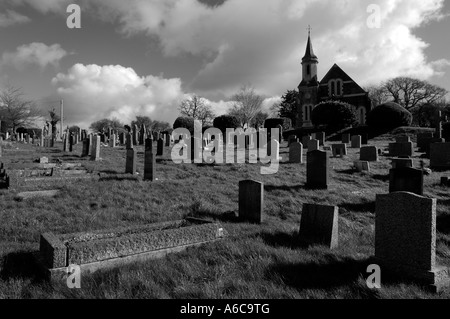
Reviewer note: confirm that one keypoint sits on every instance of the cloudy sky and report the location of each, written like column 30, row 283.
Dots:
column 142, row 57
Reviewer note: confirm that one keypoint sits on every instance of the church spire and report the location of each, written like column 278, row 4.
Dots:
column 309, row 54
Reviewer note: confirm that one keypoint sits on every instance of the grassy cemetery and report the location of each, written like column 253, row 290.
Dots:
column 217, row 231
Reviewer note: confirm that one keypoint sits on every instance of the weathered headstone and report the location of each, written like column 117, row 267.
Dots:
column 160, row 148
column 131, row 161
column 149, row 161
column 402, row 162
column 339, row 150
column 71, row 142
column 356, row 141
column 95, row 150
column 319, row 225
column 345, row 138
column 405, row 238
column 362, row 166
column 305, row 140
column 406, row 179
column 440, row 156
column 296, row 153
column 251, row 201
column 85, row 150
column 129, row 138
column 317, row 170
column 320, row 136
column 365, row 139
column 313, row 145
column 369, row 154
column 401, row 149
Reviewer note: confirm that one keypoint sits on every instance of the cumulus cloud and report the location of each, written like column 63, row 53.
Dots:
column 34, row 53
column 93, row 92
column 246, row 41
column 11, row 17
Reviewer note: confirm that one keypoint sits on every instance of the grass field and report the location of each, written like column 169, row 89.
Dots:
column 255, row 261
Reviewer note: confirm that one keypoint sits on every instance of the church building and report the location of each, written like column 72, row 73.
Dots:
column 336, row 86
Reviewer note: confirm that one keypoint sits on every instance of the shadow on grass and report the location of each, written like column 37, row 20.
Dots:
column 350, row 171
column 227, row 217
column 281, row 239
column 334, row 272
column 443, row 224
column 20, row 265
column 118, row 177
column 383, row 178
column 270, row 188
column 359, row 207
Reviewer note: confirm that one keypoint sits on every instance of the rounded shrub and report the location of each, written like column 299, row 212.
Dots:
column 389, row 116
column 226, row 121
column 285, row 122
column 334, row 114
column 184, row 122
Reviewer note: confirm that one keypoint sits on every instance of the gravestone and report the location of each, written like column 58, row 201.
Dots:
column 167, row 140
column 85, row 150
column 305, row 140
column 131, row 161
column 160, row 148
column 319, row 225
column 317, row 170
column 43, row 160
column 369, row 154
column 356, row 141
column 362, row 166
column 339, row 150
column 251, row 201
column 71, row 142
column 365, row 139
column 95, row 150
column 142, row 135
column 405, row 238
column 91, row 141
column 112, row 141
column 275, row 152
column 402, row 139
column 292, row 139
column 440, row 156
column 406, row 179
column 401, row 149
column 313, row 145
column 296, row 153
column 135, row 135
column 345, row 138
column 149, row 161
column 196, row 149
column 422, row 140
column 320, row 136
column 129, row 141
column 402, row 162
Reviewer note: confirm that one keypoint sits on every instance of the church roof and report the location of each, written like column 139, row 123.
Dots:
column 337, row 73
column 309, row 53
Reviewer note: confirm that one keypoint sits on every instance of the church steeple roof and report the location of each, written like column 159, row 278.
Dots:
column 309, row 54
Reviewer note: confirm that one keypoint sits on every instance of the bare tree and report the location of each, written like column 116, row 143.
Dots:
column 197, row 108
column 378, row 94
column 411, row 93
column 247, row 103
column 15, row 111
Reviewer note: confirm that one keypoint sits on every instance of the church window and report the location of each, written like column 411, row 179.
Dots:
column 308, row 70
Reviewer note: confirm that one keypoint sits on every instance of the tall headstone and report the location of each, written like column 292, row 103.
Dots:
column 91, row 142
column 440, row 156
column 305, row 140
column 251, row 201
column 131, row 159
column 345, row 138
column 71, row 142
column 129, row 141
column 365, row 139
column 85, row 151
column 167, row 140
column 95, row 151
column 142, row 135
column 149, row 161
column 406, row 179
column 160, row 147
column 320, row 136
column 296, row 153
column 405, row 238
column 319, row 225
column 317, row 170
column 356, row 141
column 135, row 135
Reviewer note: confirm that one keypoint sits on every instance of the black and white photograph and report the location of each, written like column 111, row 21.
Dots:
column 225, row 158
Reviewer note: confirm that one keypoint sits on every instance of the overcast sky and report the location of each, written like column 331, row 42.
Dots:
column 142, row 57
